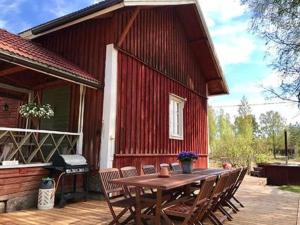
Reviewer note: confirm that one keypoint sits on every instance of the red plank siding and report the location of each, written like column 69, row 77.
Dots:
column 157, row 37
column 9, row 118
column 85, row 45
column 19, row 182
column 143, row 120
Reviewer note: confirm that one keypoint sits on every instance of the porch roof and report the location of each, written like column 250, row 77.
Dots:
column 17, row 50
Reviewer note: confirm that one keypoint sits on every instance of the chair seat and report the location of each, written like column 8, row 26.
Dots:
column 180, row 210
column 123, row 203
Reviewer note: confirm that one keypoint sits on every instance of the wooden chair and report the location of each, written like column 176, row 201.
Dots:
column 176, row 167
column 233, row 176
column 236, row 187
column 149, row 169
column 215, row 198
column 165, row 165
column 129, row 171
column 191, row 211
column 123, row 200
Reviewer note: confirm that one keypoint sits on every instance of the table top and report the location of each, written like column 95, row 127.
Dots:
column 175, row 180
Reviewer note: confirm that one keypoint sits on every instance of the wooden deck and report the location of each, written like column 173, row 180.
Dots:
column 265, row 205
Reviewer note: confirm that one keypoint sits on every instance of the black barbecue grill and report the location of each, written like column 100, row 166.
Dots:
column 70, row 165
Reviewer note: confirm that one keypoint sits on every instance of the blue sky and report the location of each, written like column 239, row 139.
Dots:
column 242, row 55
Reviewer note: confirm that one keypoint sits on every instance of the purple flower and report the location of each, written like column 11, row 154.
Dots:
column 187, row 156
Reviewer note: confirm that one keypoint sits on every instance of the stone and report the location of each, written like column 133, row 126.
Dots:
column 2, row 207
column 24, row 202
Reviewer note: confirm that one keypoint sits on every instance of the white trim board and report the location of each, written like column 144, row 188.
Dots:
column 107, row 148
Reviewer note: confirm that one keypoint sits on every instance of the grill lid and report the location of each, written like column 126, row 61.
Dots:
column 69, row 160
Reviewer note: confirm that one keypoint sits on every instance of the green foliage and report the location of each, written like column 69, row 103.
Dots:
column 290, row 188
column 293, row 137
column 262, row 158
column 272, row 127
column 245, row 141
column 278, row 22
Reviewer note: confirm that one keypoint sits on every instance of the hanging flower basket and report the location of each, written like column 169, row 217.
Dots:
column 187, row 158
column 34, row 110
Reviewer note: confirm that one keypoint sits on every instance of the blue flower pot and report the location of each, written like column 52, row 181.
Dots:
column 187, row 166
column 47, row 184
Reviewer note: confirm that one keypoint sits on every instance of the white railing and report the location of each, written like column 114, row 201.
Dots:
column 28, row 146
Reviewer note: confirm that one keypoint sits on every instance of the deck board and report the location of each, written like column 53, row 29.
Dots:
column 265, row 205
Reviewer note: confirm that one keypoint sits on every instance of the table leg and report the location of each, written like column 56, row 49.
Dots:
column 158, row 206
column 138, row 208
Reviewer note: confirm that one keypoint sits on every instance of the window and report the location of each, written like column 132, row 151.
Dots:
column 176, row 117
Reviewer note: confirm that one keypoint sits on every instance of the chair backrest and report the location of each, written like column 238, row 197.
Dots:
column 206, row 189
column 220, row 185
column 176, row 167
column 106, row 175
column 233, row 177
column 149, row 169
column 165, row 165
column 129, row 171
column 240, row 180
column 202, row 200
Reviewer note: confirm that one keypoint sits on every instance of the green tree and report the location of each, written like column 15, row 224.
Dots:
column 212, row 124
column 278, row 22
column 293, row 137
column 272, row 126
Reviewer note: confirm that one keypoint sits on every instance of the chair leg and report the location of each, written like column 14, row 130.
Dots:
column 232, row 206
column 213, row 218
column 225, row 213
column 238, row 202
column 116, row 218
column 167, row 219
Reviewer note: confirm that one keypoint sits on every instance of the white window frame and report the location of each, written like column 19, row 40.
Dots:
column 179, row 134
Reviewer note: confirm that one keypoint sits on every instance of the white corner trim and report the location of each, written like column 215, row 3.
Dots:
column 107, row 148
column 82, row 91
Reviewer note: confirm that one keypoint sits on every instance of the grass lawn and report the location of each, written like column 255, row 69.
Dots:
column 291, row 188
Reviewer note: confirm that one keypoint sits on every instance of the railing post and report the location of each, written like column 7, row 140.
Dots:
column 79, row 145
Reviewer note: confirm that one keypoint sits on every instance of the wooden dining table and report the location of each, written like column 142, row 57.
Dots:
column 161, row 184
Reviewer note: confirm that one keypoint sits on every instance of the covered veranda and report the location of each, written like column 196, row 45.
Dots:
column 30, row 73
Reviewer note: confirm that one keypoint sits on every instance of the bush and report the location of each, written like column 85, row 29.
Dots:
column 262, row 158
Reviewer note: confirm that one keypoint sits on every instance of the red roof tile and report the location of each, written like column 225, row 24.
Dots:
column 15, row 46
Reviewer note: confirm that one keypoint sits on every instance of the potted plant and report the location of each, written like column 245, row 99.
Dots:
column 187, row 158
column 46, row 193
column 35, row 112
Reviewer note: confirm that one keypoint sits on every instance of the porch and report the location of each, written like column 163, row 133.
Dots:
column 265, row 205
column 32, row 74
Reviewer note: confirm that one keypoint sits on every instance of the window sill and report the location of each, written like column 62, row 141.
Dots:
column 176, row 138
column 32, row 165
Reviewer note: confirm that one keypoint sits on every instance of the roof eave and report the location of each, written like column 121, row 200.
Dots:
column 212, row 49
column 48, row 70
column 67, row 21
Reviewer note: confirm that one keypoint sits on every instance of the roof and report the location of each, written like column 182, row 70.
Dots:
column 72, row 16
column 19, row 51
column 216, row 85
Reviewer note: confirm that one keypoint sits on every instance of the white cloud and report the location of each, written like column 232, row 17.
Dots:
column 2, row 23
column 61, row 7
column 224, row 9
column 234, row 49
column 8, row 6
column 7, row 9
column 231, row 37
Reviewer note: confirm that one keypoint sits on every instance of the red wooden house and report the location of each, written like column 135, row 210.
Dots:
column 128, row 79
